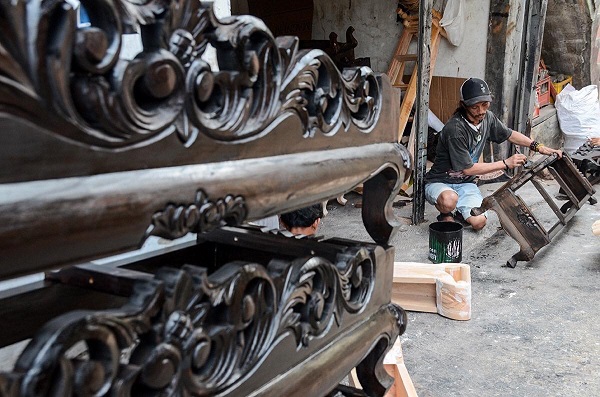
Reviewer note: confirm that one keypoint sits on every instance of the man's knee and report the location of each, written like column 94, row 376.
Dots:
column 477, row 222
column 447, row 200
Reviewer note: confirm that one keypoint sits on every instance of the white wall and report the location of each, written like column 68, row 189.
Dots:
column 468, row 59
column 377, row 32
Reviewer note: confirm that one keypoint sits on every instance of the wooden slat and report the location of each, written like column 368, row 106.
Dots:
column 398, row 64
column 406, row 57
column 25, row 309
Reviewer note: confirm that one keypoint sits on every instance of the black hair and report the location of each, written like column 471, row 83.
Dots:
column 304, row 217
column 461, row 109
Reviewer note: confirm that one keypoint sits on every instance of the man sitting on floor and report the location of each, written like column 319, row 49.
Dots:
column 450, row 184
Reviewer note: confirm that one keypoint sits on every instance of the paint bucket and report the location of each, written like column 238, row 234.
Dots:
column 445, row 242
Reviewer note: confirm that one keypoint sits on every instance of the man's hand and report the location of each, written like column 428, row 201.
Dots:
column 549, row 151
column 595, row 141
column 516, row 160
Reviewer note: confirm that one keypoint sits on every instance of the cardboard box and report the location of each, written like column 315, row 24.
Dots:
column 444, row 96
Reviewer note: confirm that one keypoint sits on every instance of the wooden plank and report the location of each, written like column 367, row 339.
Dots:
column 422, row 109
column 393, row 363
column 496, row 48
column 110, row 213
column 533, row 27
column 25, row 309
column 406, row 57
column 434, row 288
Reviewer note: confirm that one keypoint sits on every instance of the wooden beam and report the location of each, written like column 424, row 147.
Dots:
column 443, row 288
column 497, row 34
column 393, row 363
column 424, row 76
column 496, row 49
column 533, row 28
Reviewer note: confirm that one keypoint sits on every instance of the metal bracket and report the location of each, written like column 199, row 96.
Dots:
column 519, row 221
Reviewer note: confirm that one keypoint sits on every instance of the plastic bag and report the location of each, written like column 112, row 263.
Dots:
column 434, row 122
column 453, row 21
column 578, row 114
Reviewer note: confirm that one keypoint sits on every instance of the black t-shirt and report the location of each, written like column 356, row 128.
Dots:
column 460, row 145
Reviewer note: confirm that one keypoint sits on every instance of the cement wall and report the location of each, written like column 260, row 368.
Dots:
column 568, row 42
column 378, row 31
column 468, row 59
column 377, row 28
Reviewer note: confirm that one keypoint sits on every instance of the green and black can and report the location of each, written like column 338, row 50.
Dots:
column 445, row 242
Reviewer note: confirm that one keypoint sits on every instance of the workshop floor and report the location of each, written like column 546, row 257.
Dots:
column 535, row 329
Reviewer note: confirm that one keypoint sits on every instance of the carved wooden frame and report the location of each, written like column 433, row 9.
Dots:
column 99, row 152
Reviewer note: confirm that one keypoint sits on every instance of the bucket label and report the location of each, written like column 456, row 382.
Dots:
column 445, row 252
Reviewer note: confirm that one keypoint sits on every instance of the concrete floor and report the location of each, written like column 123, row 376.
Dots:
column 535, row 329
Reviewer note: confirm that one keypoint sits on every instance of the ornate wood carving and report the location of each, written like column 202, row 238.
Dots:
column 99, row 152
column 85, row 126
column 187, row 331
column 75, row 82
column 203, row 215
column 112, row 212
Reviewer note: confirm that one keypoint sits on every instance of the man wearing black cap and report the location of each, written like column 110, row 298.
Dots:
column 450, row 184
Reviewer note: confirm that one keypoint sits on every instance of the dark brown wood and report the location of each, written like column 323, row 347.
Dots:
column 167, row 203
column 498, row 30
column 145, row 137
column 516, row 217
column 243, row 316
column 26, row 309
column 533, row 28
column 422, row 130
column 99, row 153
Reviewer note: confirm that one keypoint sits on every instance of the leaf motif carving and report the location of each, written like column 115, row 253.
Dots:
column 191, row 332
column 75, row 79
column 202, row 215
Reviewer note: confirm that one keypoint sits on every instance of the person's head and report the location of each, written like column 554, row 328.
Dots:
column 475, row 99
column 303, row 221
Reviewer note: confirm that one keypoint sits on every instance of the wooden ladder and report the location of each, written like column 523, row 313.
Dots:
column 401, row 57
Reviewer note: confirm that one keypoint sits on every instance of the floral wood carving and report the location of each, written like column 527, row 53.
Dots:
column 202, row 216
column 75, row 82
column 189, row 333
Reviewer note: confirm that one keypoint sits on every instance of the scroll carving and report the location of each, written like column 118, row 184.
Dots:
column 75, row 80
column 201, row 216
column 190, row 333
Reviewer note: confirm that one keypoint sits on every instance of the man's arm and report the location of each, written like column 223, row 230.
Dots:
column 516, row 160
column 486, row 168
column 519, row 139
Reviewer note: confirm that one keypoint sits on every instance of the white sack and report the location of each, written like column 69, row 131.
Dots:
column 578, row 114
column 453, row 21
